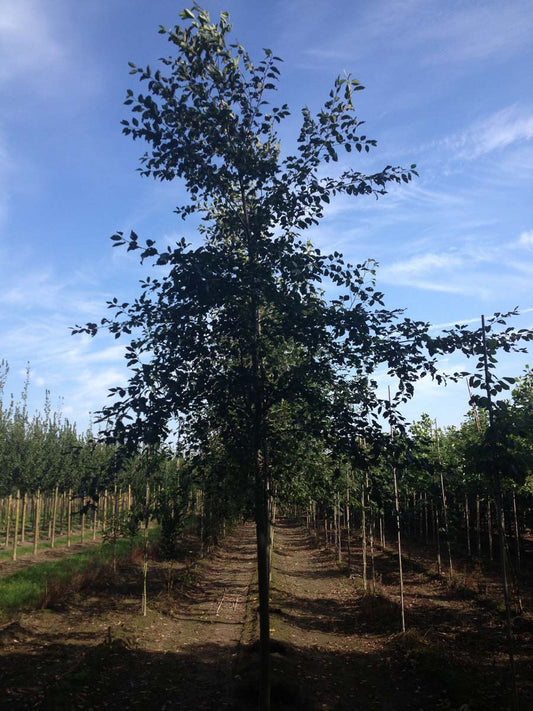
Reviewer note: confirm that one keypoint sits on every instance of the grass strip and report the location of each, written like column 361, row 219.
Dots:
column 60, row 542
column 30, row 588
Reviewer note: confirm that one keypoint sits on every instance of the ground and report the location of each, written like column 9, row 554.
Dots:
column 335, row 647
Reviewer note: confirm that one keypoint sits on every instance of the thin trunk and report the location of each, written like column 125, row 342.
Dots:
column 69, row 517
column 262, row 538
column 426, row 528
column 15, row 529
column 104, row 512
column 339, row 527
column 95, row 521
column 478, row 525
column 516, row 532
column 363, row 533
column 144, row 602
column 54, row 518
column 500, row 518
column 8, row 517
column 437, row 528
column 348, row 529
column 82, row 531
column 489, row 529
column 467, row 526
column 444, row 506
column 36, row 521
column 399, row 535
column 371, row 531
column 23, row 516
column 116, row 493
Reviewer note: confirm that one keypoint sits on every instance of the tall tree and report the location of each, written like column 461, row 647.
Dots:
column 241, row 324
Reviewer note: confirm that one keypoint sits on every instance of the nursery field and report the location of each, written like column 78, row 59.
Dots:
column 334, row 646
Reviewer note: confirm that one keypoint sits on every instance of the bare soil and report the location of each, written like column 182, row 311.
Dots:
column 335, row 646
column 340, row 647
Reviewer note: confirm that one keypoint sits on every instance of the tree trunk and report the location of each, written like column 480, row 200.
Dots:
column 437, row 529
column 478, row 525
column 36, row 521
column 15, row 529
column 489, row 529
column 467, row 526
column 82, row 531
column 104, row 512
column 8, row 517
column 69, row 517
column 363, row 533
column 516, row 532
column 399, row 539
column 23, row 515
column 348, row 529
column 54, row 518
column 263, row 576
column 144, row 602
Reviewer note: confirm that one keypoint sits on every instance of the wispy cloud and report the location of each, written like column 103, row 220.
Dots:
column 526, row 239
column 504, row 128
column 27, row 45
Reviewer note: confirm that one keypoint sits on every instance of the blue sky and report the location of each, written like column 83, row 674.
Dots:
column 448, row 87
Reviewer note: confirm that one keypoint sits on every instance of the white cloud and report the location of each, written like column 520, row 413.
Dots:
column 421, row 272
column 26, row 41
column 475, row 31
column 526, row 239
column 502, row 129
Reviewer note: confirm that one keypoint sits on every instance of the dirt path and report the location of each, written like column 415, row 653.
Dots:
column 338, row 648
column 97, row 652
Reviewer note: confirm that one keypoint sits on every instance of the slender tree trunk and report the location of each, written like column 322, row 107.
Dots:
column 348, row 529
column 23, row 516
column 82, row 530
column 8, row 517
column 363, row 532
column 104, row 512
column 69, row 517
column 54, row 517
column 263, row 574
column 500, row 519
column 467, row 526
column 95, row 521
column 478, row 525
column 15, row 529
column 116, row 496
column 426, row 529
column 399, row 538
column 144, row 602
column 444, row 506
column 36, row 521
column 338, row 527
column 371, row 531
column 437, row 529
column 516, row 532
column 489, row 529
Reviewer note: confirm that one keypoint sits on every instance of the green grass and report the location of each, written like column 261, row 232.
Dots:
column 42, row 545
column 37, row 585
